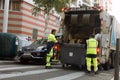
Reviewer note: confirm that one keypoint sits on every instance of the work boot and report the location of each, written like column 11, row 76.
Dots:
column 48, row 67
column 88, row 72
column 96, row 72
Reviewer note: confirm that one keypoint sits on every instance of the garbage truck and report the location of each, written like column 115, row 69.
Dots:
column 78, row 24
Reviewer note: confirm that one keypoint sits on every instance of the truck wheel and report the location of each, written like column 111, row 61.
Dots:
column 107, row 65
column 100, row 67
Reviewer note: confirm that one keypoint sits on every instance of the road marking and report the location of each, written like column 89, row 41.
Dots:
column 68, row 76
column 6, row 61
column 113, row 77
column 5, row 65
column 16, row 68
column 3, row 76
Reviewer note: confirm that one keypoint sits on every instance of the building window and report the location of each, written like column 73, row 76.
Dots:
column 14, row 5
column 1, row 4
column 35, row 33
column 57, row 21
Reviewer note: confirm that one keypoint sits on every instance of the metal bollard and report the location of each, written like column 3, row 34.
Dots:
column 116, row 75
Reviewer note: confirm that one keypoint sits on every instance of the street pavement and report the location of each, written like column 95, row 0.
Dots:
column 10, row 70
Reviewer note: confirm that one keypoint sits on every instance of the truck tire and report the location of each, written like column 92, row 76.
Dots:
column 106, row 66
column 100, row 67
column 110, row 63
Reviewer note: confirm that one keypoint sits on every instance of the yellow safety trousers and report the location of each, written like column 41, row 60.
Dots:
column 88, row 63
column 48, row 57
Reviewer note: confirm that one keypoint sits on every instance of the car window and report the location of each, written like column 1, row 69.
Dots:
column 40, row 41
column 44, row 41
column 35, row 42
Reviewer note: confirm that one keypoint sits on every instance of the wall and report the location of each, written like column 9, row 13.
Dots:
column 30, row 22
column 23, row 22
column 14, row 22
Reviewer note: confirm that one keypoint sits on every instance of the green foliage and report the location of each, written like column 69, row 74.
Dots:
column 48, row 5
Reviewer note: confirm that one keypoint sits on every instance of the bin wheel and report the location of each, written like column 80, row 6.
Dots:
column 63, row 65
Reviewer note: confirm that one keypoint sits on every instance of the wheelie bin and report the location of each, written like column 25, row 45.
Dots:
column 8, row 46
column 72, row 54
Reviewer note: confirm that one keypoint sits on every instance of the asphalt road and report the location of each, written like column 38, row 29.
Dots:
column 9, row 70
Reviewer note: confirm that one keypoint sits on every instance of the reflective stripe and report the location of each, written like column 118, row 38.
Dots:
column 91, row 46
column 91, row 42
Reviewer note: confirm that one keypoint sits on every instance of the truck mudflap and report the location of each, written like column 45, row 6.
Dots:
column 72, row 54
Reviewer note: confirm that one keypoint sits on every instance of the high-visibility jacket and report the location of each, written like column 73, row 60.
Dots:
column 51, row 38
column 92, row 46
column 51, row 41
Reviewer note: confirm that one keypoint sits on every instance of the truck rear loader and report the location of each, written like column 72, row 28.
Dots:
column 79, row 23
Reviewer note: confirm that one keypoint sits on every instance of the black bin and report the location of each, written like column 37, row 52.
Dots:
column 8, row 47
column 72, row 54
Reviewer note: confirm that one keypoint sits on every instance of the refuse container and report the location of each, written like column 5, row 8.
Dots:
column 8, row 46
column 72, row 54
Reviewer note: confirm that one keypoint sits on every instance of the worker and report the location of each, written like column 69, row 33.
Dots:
column 91, row 54
column 98, row 36
column 50, row 44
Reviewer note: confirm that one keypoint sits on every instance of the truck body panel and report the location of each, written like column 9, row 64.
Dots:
column 115, row 33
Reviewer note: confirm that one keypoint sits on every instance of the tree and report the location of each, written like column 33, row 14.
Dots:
column 48, row 6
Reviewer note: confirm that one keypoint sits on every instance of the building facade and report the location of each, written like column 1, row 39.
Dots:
column 23, row 23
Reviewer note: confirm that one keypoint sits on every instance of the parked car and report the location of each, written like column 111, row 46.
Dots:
column 22, row 42
column 34, row 52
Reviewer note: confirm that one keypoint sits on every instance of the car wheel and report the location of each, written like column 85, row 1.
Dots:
column 43, row 61
column 107, row 65
column 23, row 61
